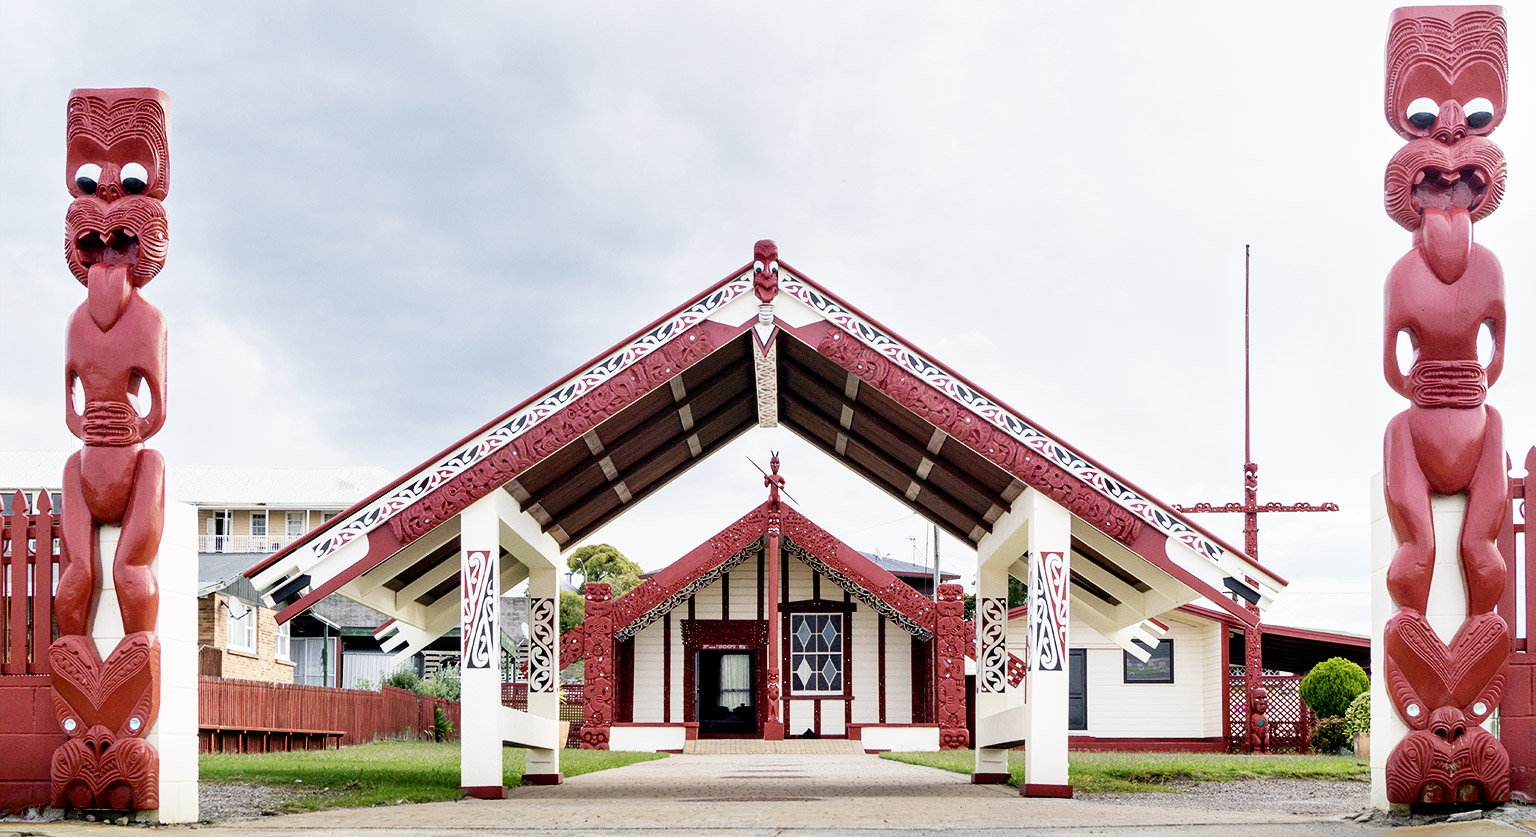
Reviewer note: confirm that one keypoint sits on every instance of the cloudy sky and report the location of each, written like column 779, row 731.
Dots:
column 389, row 226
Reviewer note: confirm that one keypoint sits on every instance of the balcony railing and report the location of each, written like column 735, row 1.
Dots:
column 244, row 543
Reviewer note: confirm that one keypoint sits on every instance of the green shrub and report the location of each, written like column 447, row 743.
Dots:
column 1330, row 686
column 442, row 728
column 1357, row 718
column 444, row 683
column 404, row 677
column 362, row 683
column 1329, row 736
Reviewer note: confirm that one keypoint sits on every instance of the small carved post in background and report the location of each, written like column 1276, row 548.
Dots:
column 949, row 643
column 1446, row 90
column 117, row 170
column 597, row 691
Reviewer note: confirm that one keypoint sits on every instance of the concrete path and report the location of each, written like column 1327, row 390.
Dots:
column 759, row 795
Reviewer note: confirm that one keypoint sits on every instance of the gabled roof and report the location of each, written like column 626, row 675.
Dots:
column 595, row 443
column 906, row 569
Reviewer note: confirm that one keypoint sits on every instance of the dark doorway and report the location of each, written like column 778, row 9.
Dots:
column 1077, row 689
column 727, row 693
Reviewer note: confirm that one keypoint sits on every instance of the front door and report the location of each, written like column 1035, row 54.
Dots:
column 726, row 694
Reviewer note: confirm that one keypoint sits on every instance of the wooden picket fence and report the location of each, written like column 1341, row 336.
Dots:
column 253, row 716
column 29, row 559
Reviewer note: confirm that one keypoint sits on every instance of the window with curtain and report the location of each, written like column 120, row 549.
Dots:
column 735, row 680
column 283, row 649
column 258, row 524
column 295, row 524
column 816, row 653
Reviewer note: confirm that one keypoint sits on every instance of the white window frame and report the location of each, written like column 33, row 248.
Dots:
column 261, row 515
column 240, row 626
column 282, row 647
column 295, row 521
column 817, row 652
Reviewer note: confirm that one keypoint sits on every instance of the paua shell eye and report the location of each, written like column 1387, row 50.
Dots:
column 87, row 176
column 1479, row 112
column 135, row 178
column 1422, row 112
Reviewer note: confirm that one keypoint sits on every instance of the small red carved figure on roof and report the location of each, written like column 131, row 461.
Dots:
column 1446, row 91
column 774, row 482
column 765, row 270
column 1258, row 722
column 118, row 170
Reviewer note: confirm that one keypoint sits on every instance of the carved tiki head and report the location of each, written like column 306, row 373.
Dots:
column 118, row 168
column 1447, row 86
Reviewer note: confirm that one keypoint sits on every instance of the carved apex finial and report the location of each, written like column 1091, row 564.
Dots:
column 765, row 270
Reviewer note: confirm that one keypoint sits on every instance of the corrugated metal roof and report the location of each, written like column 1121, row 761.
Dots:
column 217, row 486
column 904, row 568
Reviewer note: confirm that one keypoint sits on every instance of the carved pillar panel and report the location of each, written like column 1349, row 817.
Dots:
column 480, row 773
column 597, row 715
column 543, row 668
column 1445, row 662
column 949, row 641
column 991, row 665
column 117, row 169
column 1050, row 545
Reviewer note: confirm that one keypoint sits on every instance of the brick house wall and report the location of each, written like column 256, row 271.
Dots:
column 213, row 642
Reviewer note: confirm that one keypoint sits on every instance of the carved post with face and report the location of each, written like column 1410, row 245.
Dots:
column 1446, row 92
column 118, row 171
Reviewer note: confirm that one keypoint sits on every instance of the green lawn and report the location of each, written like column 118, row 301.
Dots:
column 1091, row 772
column 383, row 773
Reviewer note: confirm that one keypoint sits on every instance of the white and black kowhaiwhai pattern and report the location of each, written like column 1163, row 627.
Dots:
column 874, row 602
column 992, row 621
column 1055, row 452
column 433, row 477
column 542, row 631
column 479, row 610
column 751, row 550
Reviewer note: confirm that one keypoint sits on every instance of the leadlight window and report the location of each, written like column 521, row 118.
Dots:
column 816, row 653
column 1157, row 669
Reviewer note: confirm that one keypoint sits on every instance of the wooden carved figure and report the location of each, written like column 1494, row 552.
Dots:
column 118, row 171
column 1446, row 92
column 1257, row 740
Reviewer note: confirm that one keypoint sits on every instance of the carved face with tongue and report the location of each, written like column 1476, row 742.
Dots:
column 1447, row 74
column 117, row 167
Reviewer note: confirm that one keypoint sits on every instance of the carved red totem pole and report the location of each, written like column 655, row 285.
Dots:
column 118, row 170
column 1446, row 91
column 597, row 712
column 949, row 668
column 1257, row 739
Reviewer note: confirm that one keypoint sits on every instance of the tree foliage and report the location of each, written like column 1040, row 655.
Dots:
column 602, row 562
column 1357, row 718
column 1330, row 686
column 573, row 609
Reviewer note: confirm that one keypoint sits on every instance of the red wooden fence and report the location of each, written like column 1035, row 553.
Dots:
column 572, row 706
column 29, row 558
column 245, row 715
column 1290, row 721
column 1517, row 714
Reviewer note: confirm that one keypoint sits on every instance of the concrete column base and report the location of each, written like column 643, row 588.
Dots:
column 1046, row 791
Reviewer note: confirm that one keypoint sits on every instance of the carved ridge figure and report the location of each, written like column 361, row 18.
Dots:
column 1446, row 91
column 118, row 171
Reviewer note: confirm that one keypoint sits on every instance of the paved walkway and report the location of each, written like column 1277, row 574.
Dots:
column 758, row 747
column 780, row 795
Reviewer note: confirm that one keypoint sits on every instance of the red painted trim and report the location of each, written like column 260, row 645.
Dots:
column 1031, row 422
column 1161, row 625
column 673, row 752
column 990, row 778
column 876, row 752
column 380, row 629
column 881, row 640
column 1306, row 634
column 382, row 544
column 486, row 791
column 414, row 473
column 624, row 674
column 1088, row 743
column 1046, row 791
column 543, row 779
column 691, row 731
column 817, row 721
column 666, row 667
column 762, row 579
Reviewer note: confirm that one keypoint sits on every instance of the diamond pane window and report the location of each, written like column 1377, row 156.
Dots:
column 816, row 653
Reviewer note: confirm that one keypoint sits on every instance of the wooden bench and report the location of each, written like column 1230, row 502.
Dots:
column 213, row 738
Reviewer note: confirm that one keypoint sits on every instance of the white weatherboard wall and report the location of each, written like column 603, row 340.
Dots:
column 174, row 735
column 1189, row 707
column 861, row 632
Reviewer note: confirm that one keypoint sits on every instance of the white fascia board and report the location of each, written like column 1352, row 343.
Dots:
column 301, row 562
column 413, row 552
column 1216, row 574
column 1167, row 592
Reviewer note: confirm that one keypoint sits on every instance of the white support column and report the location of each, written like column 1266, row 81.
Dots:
column 992, row 669
column 1049, row 537
column 544, row 669
column 480, row 770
